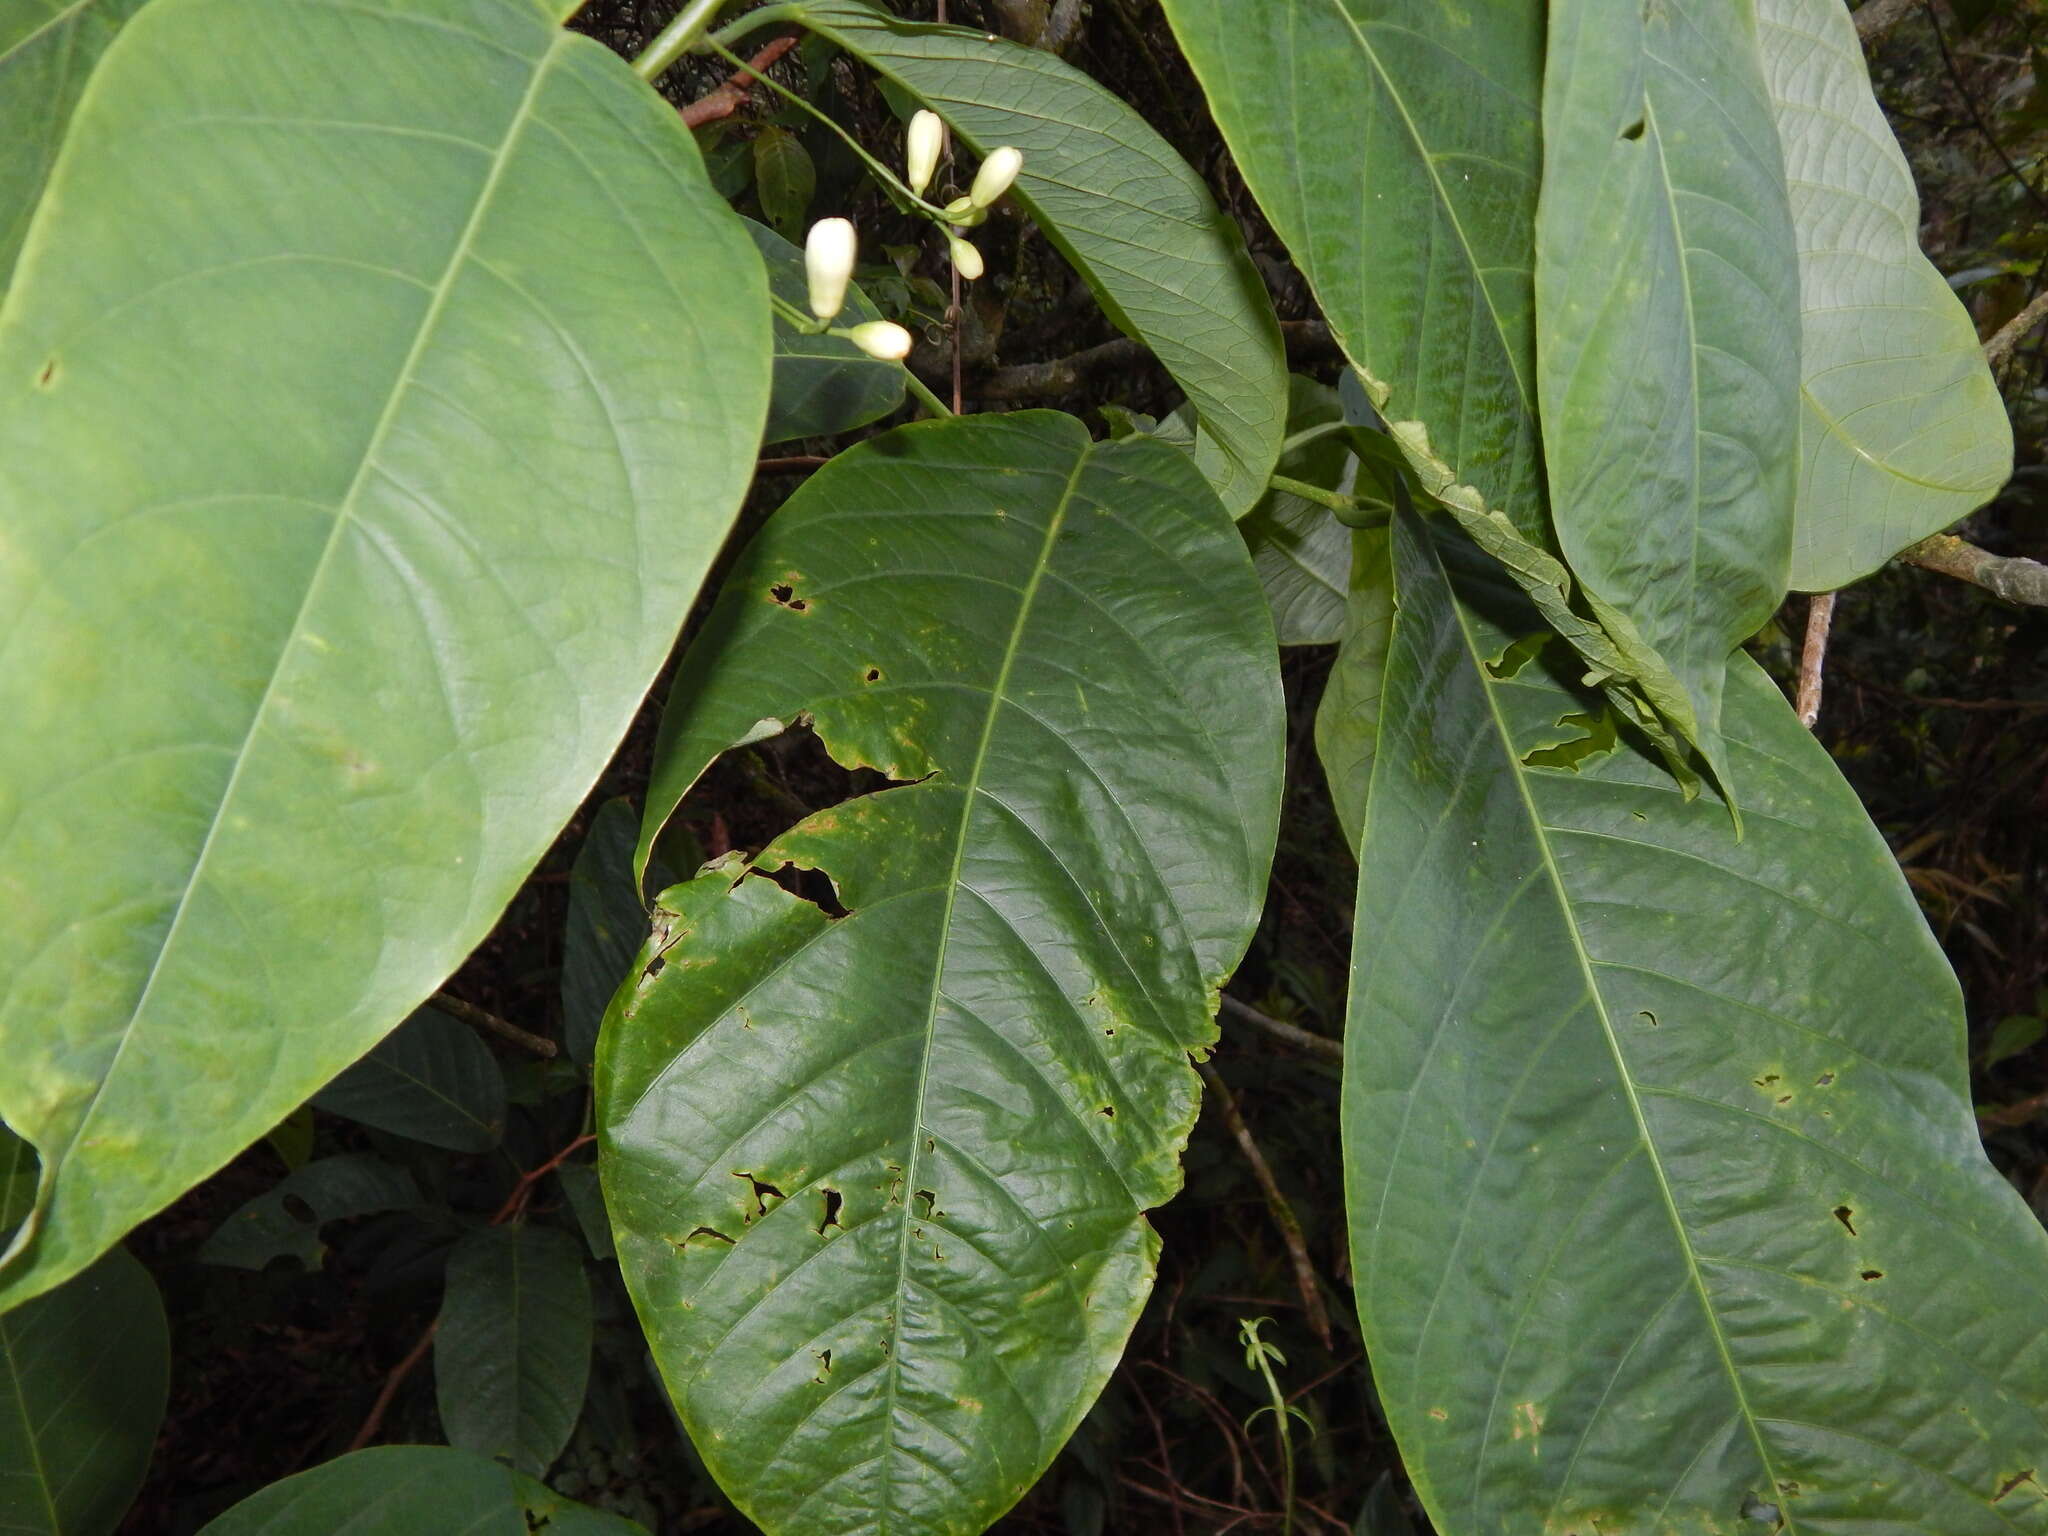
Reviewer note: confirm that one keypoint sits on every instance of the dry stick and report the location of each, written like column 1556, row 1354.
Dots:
column 469, row 1013
column 1276, row 1203
column 514, row 1204
column 1820, row 614
column 2015, row 579
column 1293, row 1034
column 2016, row 330
column 732, row 95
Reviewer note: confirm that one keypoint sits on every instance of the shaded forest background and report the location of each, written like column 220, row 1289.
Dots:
column 1936, row 708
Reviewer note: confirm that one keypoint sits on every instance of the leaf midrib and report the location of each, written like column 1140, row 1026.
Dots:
column 35, row 1443
column 344, row 517
column 968, row 799
column 1554, row 876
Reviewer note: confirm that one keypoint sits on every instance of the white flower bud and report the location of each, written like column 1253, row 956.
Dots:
column 997, row 172
column 828, row 263
column 926, row 137
column 963, row 212
column 883, row 339
column 965, row 257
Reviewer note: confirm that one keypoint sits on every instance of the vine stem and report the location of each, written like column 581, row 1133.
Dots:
column 677, row 38
column 1820, row 614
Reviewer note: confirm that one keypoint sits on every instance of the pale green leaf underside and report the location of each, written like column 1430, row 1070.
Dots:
column 47, row 51
column 878, row 1182
column 1678, row 1122
column 1167, row 264
column 1901, row 428
column 353, row 495
column 1667, row 304
column 410, row 1490
column 84, row 1372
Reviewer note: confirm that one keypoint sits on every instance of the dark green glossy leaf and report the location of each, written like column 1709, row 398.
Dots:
column 1901, row 428
column 413, row 1490
column 823, row 384
column 784, row 178
column 878, row 1180
column 84, row 1374
column 432, row 1080
column 1676, row 1122
column 1301, row 552
column 47, row 51
column 285, row 1221
column 1403, row 175
column 1348, row 717
column 353, row 496
column 1667, row 306
column 512, row 1352
column 1167, row 265
column 607, row 922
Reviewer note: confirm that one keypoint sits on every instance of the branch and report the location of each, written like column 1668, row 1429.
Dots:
column 1276, row 1203
column 1877, row 17
column 2007, row 576
column 732, row 95
column 2016, row 330
column 469, row 1013
column 1303, row 1040
column 1820, row 614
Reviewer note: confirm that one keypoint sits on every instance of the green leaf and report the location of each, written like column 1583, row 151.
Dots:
column 84, row 1374
column 878, row 1180
column 1667, row 306
column 1301, row 552
column 47, row 51
column 410, row 1490
column 336, row 564
column 1677, row 1122
column 430, row 1080
column 607, row 921
column 512, row 1352
column 1348, row 718
column 823, row 384
column 285, row 1221
column 784, row 178
column 2014, row 1033
column 1901, row 428
column 1167, row 265
column 1418, row 246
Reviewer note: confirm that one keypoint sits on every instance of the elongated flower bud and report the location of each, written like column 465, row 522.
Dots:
column 997, row 172
column 965, row 257
column 926, row 138
column 883, row 339
column 828, row 263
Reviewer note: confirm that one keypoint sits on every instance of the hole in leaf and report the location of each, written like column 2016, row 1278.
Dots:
column 1871, row 1274
column 783, row 593
column 833, row 1200
column 931, row 1203
column 763, row 1192
column 708, row 1234
column 1634, row 130
column 872, row 675
column 1766, row 1080
column 1650, row 1017
column 1824, row 1080
column 1109, row 1111
column 1518, row 656
column 812, row 885
column 1843, row 1214
column 49, row 372
column 2012, row 1482
column 824, row 1359
column 655, row 967
column 1599, row 739
column 1754, row 1508
column 296, row 1208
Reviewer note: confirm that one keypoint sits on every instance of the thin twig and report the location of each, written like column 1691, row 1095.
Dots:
column 953, row 310
column 1970, row 105
column 792, row 464
column 1293, row 1034
column 2015, row 579
column 1820, row 614
column 2016, row 330
column 1307, row 341
column 1276, row 1203
column 469, row 1013
column 515, row 1204
column 732, row 95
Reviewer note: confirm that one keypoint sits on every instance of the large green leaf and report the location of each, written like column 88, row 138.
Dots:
column 47, row 51
column 1901, row 429
column 1667, row 306
column 878, row 1180
column 285, row 1220
column 353, row 495
column 1403, row 175
column 823, row 384
column 413, row 1490
column 84, row 1373
column 512, row 1352
column 1676, row 1122
column 431, row 1080
column 1348, row 716
column 1300, row 550
column 1136, row 221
